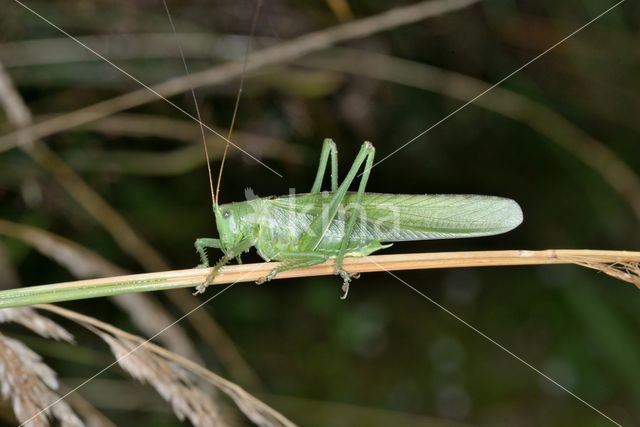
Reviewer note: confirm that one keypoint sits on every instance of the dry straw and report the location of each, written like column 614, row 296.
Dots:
column 623, row 265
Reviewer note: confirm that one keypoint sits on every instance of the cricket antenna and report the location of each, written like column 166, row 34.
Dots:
column 254, row 21
column 195, row 102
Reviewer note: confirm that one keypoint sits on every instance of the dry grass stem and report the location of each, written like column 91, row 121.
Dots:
column 622, row 265
column 169, row 375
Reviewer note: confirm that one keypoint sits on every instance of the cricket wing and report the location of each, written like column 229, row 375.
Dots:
column 438, row 216
column 402, row 217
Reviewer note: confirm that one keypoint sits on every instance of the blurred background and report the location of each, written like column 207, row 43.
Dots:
column 560, row 137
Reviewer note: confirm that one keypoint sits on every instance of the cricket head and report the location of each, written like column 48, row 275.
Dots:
column 234, row 224
column 228, row 227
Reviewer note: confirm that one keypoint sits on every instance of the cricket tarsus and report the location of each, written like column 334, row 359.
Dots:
column 307, row 229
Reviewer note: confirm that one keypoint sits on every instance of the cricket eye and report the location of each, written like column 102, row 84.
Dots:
column 226, row 214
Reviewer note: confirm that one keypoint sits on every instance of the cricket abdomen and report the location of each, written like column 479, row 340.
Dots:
column 401, row 217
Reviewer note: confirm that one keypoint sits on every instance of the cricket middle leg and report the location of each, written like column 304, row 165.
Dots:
column 294, row 260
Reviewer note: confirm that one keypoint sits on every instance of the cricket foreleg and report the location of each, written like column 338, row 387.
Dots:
column 230, row 254
column 201, row 247
column 295, row 260
column 328, row 149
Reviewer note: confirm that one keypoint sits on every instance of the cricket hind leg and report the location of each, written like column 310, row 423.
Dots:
column 329, row 149
column 295, row 260
column 321, row 223
column 369, row 152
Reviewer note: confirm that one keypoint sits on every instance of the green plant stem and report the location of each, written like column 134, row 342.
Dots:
column 623, row 265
